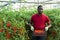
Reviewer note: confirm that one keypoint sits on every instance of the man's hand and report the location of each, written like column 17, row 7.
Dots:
column 32, row 28
column 46, row 28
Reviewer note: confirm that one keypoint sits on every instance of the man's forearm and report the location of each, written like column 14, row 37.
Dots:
column 32, row 28
column 49, row 26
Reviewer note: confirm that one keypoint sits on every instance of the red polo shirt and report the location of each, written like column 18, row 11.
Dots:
column 39, row 21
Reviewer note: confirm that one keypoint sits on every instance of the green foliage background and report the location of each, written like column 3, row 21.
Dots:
column 16, row 19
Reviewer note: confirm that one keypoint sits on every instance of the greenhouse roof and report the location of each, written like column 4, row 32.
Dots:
column 30, row 3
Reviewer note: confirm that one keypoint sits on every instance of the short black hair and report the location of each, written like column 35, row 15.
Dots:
column 39, row 6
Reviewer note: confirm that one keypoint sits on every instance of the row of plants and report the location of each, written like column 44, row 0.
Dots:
column 13, row 26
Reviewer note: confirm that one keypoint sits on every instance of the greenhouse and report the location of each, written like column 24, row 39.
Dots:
column 15, row 16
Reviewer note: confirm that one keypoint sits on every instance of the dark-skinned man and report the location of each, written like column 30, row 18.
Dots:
column 38, row 22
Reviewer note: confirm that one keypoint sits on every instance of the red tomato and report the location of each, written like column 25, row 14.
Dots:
column 8, row 35
column 1, row 30
column 8, row 24
column 14, row 29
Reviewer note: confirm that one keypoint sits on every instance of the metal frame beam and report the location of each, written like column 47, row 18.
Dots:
column 32, row 2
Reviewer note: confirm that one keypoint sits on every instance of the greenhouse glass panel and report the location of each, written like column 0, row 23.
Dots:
column 5, row 0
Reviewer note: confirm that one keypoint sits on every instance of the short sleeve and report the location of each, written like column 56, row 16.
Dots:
column 31, row 19
column 48, row 20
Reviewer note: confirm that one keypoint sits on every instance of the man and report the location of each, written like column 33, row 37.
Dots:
column 38, row 22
